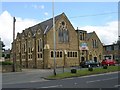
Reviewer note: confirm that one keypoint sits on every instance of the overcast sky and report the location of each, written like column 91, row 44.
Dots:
column 101, row 17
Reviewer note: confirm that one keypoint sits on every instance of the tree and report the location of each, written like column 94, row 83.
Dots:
column 3, row 45
column 7, row 56
column 3, row 55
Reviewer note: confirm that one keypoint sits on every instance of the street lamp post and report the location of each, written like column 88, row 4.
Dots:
column 14, row 20
column 54, row 39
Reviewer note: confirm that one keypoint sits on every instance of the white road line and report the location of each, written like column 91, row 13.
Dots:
column 98, row 74
column 75, row 83
column 93, row 81
column 52, row 86
column 25, row 82
column 101, row 80
column 109, row 78
column 68, row 78
column 117, row 86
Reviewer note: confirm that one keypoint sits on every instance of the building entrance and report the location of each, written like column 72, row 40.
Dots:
column 82, row 59
column 95, row 59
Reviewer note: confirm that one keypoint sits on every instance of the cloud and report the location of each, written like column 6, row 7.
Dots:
column 6, row 26
column 107, row 33
column 46, row 14
column 38, row 6
column 42, row 7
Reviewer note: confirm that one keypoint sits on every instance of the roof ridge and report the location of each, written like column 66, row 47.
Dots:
column 47, row 23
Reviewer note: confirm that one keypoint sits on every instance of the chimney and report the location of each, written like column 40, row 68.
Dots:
column 77, row 28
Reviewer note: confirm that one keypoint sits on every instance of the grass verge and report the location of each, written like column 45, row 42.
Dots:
column 85, row 72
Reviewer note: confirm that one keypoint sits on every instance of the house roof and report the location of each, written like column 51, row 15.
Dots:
column 49, row 23
column 81, row 30
column 45, row 26
column 89, row 35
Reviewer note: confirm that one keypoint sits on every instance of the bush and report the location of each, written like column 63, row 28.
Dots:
column 90, row 69
column 73, row 71
column 118, row 61
column 6, row 63
column 105, row 67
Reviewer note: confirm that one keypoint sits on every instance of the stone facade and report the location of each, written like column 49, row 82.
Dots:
column 90, row 46
column 34, row 47
column 112, row 51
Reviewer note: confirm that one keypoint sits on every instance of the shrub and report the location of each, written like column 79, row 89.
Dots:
column 73, row 71
column 105, row 67
column 90, row 69
column 6, row 63
column 118, row 61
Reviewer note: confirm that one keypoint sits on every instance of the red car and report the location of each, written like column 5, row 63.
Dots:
column 108, row 62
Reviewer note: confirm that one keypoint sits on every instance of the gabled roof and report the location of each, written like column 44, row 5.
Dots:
column 45, row 26
column 89, row 35
column 49, row 23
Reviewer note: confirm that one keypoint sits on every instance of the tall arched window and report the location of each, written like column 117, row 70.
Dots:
column 60, row 34
column 63, row 33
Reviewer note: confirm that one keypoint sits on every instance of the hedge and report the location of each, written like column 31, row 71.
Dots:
column 6, row 63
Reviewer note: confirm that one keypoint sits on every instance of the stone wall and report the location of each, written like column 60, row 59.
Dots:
column 9, row 68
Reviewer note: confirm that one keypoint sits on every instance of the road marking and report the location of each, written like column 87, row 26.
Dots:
column 26, row 82
column 52, row 86
column 117, row 86
column 39, row 80
column 93, row 81
column 98, row 74
column 109, row 78
column 75, row 83
column 68, row 78
column 101, row 80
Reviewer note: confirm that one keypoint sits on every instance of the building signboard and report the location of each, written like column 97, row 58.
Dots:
column 83, row 46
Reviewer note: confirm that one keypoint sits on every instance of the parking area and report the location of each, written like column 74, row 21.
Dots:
column 29, row 75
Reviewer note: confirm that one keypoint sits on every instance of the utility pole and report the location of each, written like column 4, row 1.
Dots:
column 14, row 20
column 54, row 39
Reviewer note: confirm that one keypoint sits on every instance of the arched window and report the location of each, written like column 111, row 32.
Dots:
column 66, row 36
column 40, row 45
column 60, row 34
column 63, row 34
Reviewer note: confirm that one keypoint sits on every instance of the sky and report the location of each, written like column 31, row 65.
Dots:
column 101, row 17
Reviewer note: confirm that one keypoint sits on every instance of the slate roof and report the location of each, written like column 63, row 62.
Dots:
column 80, row 30
column 89, row 35
column 45, row 26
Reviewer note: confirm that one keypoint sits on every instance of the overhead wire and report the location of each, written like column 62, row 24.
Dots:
column 93, row 15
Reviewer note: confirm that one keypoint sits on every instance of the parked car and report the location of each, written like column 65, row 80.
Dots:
column 108, row 62
column 90, row 63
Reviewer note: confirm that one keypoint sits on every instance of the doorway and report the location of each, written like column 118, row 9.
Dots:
column 82, row 59
column 95, row 59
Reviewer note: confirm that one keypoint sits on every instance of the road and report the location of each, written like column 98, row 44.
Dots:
column 107, row 80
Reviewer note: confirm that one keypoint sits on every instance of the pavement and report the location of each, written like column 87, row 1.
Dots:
column 29, row 75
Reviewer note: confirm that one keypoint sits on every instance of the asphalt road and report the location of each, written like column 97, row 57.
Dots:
column 108, row 80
